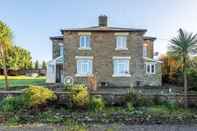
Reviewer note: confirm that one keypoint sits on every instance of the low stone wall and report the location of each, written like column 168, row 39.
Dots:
column 114, row 98
column 3, row 94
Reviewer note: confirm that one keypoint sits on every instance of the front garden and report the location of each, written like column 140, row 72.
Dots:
column 41, row 105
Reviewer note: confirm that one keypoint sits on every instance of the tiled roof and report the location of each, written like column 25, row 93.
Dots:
column 104, row 29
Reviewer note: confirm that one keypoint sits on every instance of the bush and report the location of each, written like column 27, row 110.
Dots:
column 97, row 103
column 137, row 99
column 11, row 104
column 50, row 116
column 37, row 95
column 130, row 107
column 170, row 105
column 80, row 95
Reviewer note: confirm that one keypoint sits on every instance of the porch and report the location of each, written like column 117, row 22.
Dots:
column 55, row 72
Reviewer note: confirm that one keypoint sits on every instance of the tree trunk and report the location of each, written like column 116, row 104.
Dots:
column 185, row 90
column 5, row 69
column 6, row 77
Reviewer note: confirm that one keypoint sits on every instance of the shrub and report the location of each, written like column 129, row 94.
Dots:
column 97, row 103
column 11, row 104
column 50, row 116
column 170, row 105
column 157, row 100
column 158, row 111
column 130, row 106
column 137, row 99
column 13, row 120
column 80, row 95
column 37, row 95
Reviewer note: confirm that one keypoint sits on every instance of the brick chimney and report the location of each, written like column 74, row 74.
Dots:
column 102, row 20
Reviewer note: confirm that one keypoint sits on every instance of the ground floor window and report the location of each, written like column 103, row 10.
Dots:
column 150, row 68
column 121, row 66
column 84, row 66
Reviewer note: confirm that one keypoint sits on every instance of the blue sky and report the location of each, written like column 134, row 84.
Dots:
column 34, row 21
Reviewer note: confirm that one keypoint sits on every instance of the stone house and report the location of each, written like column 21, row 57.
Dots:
column 114, row 56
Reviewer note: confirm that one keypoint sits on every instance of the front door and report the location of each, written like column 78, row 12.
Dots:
column 59, row 73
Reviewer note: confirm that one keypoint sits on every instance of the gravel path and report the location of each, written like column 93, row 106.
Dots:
column 107, row 128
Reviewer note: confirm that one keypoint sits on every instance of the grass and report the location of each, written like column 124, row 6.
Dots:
column 17, row 81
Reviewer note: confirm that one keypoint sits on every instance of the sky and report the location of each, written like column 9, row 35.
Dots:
column 33, row 22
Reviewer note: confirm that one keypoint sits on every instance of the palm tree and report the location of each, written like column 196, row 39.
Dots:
column 182, row 47
column 5, row 43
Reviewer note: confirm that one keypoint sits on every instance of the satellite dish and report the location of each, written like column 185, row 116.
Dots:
column 68, row 80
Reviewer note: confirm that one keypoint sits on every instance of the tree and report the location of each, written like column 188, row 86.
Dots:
column 36, row 65
column 5, row 44
column 25, row 60
column 18, row 58
column 170, row 68
column 181, row 47
column 44, row 65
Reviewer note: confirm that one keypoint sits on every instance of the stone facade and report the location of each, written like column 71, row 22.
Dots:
column 103, row 49
column 153, row 79
column 103, row 44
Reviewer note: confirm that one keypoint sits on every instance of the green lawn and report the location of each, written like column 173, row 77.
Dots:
column 15, row 81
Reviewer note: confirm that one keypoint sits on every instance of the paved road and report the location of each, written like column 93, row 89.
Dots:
column 108, row 128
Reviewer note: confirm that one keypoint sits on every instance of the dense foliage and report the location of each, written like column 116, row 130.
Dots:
column 181, row 47
column 36, row 65
column 37, row 95
column 136, row 99
column 44, row 65
column 12, row 104
column 33, row 97
column 19, row 58
column 138, row 109
column 172, row 72
column 80, row 95
column 5, row 44
column 96, row 103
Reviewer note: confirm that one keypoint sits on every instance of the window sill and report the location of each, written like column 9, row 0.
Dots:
column 84, row 48
column 119, row 49
column 81, row 75
column 126, row 75
column 150, row 73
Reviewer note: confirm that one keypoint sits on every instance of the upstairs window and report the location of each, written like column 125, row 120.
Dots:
column 150, row 68
column 84, row 42
column 145, row 50
column 121, row 42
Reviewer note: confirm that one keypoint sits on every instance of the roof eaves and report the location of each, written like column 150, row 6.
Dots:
column 149, row 38
column 56, row 38
column 103, row 30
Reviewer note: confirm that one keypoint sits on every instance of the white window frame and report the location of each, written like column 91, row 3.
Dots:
column 151, row 65
column 85, row 42
column 115, row 74
column 121, row 42
column 79, row 67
